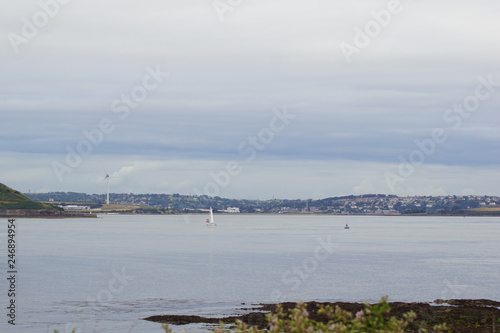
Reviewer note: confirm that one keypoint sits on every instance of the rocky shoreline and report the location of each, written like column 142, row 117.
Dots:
column 465, row 316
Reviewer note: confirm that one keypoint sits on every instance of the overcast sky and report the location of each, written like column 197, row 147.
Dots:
column 251, row 99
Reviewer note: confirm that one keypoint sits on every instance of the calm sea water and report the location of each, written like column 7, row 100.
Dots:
column 105, row 274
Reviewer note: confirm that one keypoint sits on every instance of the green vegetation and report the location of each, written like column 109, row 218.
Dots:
column 484, row 211
column 12, row 199
column 155, row 211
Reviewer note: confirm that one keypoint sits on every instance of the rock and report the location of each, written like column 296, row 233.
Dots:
column 465, row 316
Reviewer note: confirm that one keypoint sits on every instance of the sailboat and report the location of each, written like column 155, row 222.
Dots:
column 210, row 221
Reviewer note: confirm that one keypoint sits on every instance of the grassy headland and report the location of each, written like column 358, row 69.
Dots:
column 14, row 204
column 12, row 199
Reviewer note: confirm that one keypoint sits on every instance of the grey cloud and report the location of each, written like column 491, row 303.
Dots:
column 226, row 78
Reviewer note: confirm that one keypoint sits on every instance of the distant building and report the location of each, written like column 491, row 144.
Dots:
column 232, row 210
column 75, row 207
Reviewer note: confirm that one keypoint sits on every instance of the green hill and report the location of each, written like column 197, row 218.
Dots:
column 12, row 199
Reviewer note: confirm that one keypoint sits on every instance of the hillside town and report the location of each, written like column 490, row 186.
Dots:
column 369, row 204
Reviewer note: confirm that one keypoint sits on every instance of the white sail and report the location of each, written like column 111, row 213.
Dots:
column 210, row 221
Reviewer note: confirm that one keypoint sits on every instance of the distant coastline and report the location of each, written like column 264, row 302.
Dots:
column 305, row 214
column 362, row 205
